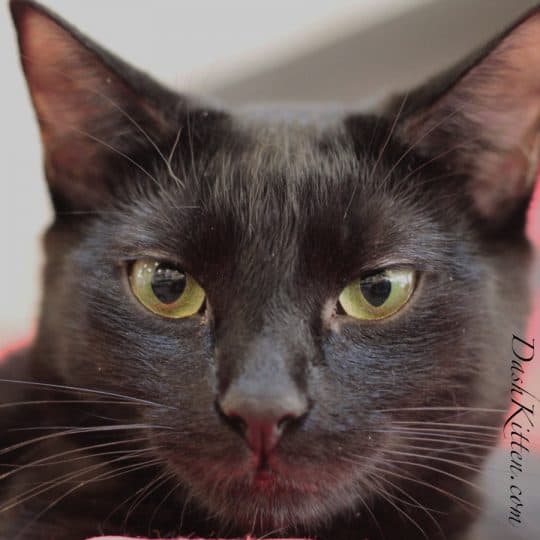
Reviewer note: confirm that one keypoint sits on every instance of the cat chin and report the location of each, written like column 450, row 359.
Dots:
column 287, row 503
column 276, row 511
column 292, row 494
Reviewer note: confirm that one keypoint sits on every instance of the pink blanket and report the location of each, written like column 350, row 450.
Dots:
column 180, row 538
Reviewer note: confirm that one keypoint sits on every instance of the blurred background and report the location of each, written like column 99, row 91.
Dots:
column 239, row 51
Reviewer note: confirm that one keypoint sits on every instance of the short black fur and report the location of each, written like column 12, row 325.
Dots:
column 274, row 215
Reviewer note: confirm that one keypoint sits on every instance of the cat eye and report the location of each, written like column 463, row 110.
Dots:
column 165, row 289
column 379, row 295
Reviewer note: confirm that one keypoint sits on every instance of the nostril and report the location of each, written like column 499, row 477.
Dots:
column 289, row 421
column 237, row 423
column 284, row 422
column 233, row 420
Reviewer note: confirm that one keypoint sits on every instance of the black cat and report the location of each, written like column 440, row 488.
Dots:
column 277, row 325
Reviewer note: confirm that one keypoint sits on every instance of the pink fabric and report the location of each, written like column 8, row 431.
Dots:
column 180, row 538
column 532, row 375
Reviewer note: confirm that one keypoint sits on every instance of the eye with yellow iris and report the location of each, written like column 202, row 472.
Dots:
column 379, row 295
column 165, row 289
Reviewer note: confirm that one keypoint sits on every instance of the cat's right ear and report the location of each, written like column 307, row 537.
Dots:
column 95, row 112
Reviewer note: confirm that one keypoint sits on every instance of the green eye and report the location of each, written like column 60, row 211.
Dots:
column 165, row 289
column 378, row 296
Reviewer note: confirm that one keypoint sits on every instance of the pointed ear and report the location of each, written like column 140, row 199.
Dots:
column 484, row 117
column 91, row 107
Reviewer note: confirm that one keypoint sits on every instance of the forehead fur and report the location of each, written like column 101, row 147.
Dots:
column 287, row 163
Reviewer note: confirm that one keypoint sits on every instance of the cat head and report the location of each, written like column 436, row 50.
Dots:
column 292, row 291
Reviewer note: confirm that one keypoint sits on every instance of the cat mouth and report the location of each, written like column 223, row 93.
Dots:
column 281, row 491
column 280, row 497
column 264, row 469
column 267, row 473
column 264, row 478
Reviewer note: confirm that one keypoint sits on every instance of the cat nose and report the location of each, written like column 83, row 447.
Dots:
column 262, row 419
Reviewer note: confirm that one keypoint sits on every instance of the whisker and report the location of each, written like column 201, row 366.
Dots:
column 449, row 441
column 191, row 150
column 449, row 434
column 46, row 461
column 445, row 424
column 372, row 515
column 431, row 486
column 171, row 155
column 431, row 409
column 270, row 533
column 145, row 492
column 63, row 402
column 467, row 505
column 456, row 449
column 418, row 140
column 389, row 463
column 106, row 476
column 438, row 471
column 61, row 387
column 441, row 436
column 385, row 144
column 433, row 458
column 52, row 484
column 162, row 502
column 76, row 431
column 187, row 500
column 384, row 494
column 117, row 151
column 116, row 106
column 435, row 158
column 415, row 503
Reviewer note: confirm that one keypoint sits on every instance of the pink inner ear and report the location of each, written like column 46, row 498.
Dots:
column 39, row 34
column 70, row 86
column 503, row 91
column 87, row 104
column 491, row 115
column 501, row 97
column 501, row 178
column 45, row 48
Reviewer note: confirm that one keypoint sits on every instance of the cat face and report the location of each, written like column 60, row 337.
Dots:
column 273, row 259
column 318, row 285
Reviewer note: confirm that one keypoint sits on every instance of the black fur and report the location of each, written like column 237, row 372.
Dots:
column 274, row 215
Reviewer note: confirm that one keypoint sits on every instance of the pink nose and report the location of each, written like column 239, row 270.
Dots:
column 262, row 419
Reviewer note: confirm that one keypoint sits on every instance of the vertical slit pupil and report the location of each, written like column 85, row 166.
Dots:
column 376, row 289
column 168, row 283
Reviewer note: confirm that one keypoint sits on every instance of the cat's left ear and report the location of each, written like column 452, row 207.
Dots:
column 483, row 118
column 97, row 115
